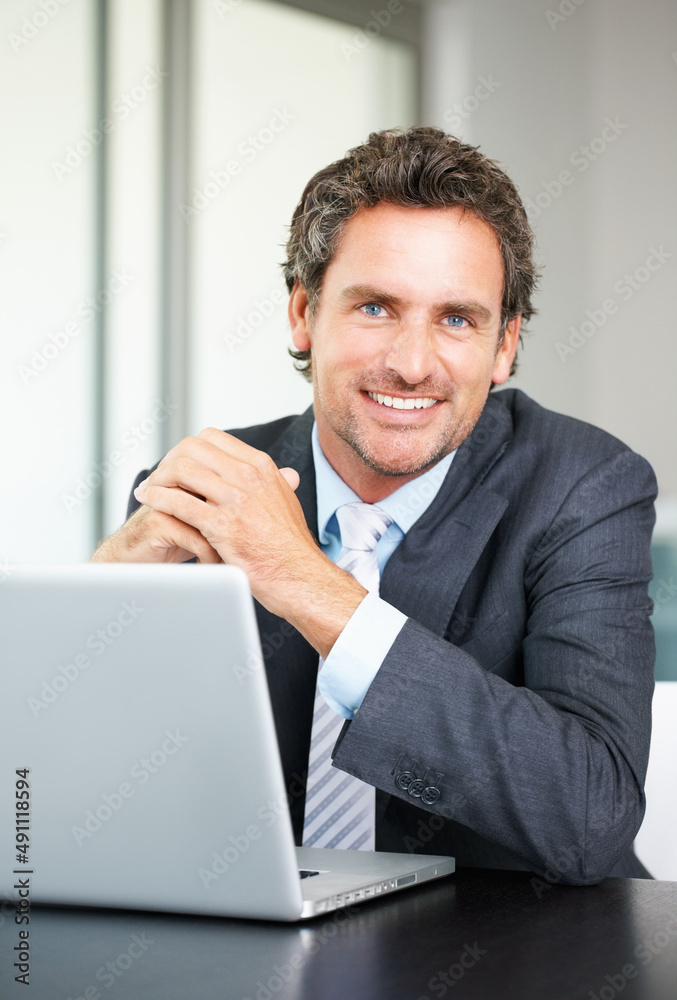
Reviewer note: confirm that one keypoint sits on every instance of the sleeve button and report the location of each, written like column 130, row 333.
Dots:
column 416, row 788
column 430, row 795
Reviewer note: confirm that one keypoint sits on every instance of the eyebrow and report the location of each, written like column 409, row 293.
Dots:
column 371, row 294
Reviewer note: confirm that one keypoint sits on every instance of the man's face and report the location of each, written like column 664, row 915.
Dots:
column 405, row 341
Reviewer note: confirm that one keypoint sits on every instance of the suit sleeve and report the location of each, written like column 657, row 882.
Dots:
column 558, row 764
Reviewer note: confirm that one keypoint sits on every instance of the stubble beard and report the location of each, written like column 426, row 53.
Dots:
column 347, row 427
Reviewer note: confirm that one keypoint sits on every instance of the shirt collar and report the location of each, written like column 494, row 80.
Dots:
column 405, row 505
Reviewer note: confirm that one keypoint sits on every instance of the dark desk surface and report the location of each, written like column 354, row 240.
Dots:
column 477, row 934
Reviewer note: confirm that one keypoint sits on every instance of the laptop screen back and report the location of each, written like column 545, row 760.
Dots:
column 133, row 700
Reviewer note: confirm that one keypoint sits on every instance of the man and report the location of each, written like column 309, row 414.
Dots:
column 499, row 685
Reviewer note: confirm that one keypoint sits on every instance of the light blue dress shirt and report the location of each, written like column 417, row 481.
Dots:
column 363, row 644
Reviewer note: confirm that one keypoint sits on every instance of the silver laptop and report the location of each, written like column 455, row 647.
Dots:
column 139, row 765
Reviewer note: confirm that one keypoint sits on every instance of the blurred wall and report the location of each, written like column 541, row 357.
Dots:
column 580, row 109
column 47, row 276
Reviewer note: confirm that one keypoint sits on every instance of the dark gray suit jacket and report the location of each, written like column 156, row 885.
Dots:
column 509, row 723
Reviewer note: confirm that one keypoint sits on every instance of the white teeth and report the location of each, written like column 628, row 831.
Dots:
column 400, row 403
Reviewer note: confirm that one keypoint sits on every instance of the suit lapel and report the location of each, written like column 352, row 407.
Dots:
column 294, row 449
column 426, row 574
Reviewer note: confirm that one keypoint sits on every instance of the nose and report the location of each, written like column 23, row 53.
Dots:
column 411, row 353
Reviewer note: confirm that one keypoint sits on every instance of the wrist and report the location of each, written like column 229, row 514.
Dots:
column 320, row 601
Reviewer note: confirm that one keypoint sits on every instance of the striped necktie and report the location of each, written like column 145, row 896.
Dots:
column 340, row 807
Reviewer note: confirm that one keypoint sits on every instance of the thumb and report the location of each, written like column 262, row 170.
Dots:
column 292, row 477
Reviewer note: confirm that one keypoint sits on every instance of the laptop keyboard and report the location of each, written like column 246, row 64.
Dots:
column 304, row 873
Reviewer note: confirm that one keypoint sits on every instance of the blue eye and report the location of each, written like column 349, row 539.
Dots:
column 372, row 309
column 456, row 321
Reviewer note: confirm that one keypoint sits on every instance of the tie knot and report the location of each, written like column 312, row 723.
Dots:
column 362, row 525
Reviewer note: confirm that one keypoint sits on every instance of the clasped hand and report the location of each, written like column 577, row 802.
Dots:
column 218, row 499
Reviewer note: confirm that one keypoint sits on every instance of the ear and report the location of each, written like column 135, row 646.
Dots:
column 507, row 351
column 299, row 313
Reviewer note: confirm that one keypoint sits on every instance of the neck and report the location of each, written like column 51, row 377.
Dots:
column 371, row 485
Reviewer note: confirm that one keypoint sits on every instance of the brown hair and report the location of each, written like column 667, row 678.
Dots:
column 418, row 167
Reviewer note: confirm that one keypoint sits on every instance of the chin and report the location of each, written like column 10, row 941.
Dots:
column 404, row 465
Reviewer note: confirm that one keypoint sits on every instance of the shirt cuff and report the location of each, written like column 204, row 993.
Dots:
column 358, row 653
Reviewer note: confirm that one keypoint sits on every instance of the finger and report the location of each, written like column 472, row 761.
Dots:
column 151, row 536
column 182, row 506
column 172, row 532
column 244, row 468
column 228, row 443
column 196, row 449
column 238, row 449
column 239, row 466
column 211, row 445
column 292, row 477
column 190, row 475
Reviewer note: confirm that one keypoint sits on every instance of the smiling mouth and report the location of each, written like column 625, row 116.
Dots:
column 403, row 403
